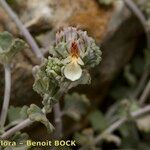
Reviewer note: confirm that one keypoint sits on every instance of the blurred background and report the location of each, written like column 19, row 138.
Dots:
column 121, row 29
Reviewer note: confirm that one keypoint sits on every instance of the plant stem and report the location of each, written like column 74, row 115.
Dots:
column 133, row 7
column 138, row 13
column 23, row 29
column 6, row 95
column 57, row 112
column 141, row 84
column 18, row 127
column 58, row 121
column 28, row 122
column 39, row 55
column 11, row 125
column 120, row 122
column 145, row 94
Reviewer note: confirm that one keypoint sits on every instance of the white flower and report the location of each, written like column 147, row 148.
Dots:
column 73, row 70
column 73, row 46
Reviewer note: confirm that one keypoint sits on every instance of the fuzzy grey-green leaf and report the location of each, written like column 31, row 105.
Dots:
column 19, row 138
column 9, row 47
column 97, row 120
column 76, row 105
column 35, row 114
column 5, row 40
column 17, row 113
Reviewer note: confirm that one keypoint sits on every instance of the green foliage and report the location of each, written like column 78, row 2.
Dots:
column 6, row 40
column 48, row 81
column 129, row 131
column 76, row 105
column 44, row 80
column 50, row 77
column 19, row 138
column 97, row 120
column 53, row 68
column 93, row 56
column 144, row 6
column 121, row 109
column 9, row 47
column 17, row 113
column 36, row 114
column 74, row 47
column 86, row 139
column 127, row 106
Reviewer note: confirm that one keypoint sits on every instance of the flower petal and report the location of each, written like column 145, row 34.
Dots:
column 80, row 61
column 72, row 71
column 67, row 60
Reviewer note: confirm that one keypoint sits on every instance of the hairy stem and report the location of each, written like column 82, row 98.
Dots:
column 6, row 95
column 23, row 29
column 39, row 55
column 57, row 112
column 133, row 7
column 138, row 13
column 145, row 94
column 120, row 122
column 20, row 126
column 16, row 128
column 11, row 124
column 28, row 122
column 58, row 121
column 141, row 84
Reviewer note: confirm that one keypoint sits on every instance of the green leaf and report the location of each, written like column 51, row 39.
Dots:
column 76, row 105
column 5, row 40
column 97, row 120
column 121, row 109
column 35, row 114
column 17, row 113
column 128, row 131
column 19, row 138
column 84, row 136
column 126, row 106
column 43, row 83
column 22, row 147
column 9, row 47
column 86, row 139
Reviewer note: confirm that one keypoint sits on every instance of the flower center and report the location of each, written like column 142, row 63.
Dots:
column 74, row 50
